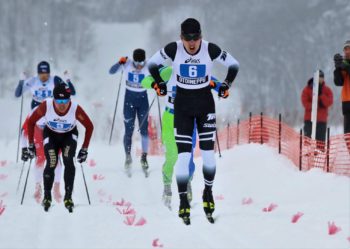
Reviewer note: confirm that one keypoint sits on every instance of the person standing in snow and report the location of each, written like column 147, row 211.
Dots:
column 192, row 60
column 41, row 87
column 135, row 103
column 60, row 133
column 325, row 101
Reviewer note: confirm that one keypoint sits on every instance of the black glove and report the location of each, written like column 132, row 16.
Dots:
column 25, row 154
column 82, row 155
column 160, row 88
column 338, row 61
column 223, row 90
column 31, row 151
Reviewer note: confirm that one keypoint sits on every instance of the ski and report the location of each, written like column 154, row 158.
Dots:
column 210, row 218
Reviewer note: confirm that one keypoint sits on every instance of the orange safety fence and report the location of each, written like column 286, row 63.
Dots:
column 331, row 156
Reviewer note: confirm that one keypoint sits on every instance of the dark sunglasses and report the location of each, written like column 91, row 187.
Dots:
column 191, row 37
column 62, row 101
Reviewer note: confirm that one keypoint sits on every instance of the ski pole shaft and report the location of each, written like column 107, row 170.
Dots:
column 19, row 128
column 20, row 177
column 86, row 188
column 146, row 116
column 115, row 108
column 217, row 140
column 160, row 116
column 25, row 184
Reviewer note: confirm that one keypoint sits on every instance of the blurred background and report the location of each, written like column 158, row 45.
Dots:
column 278, row 43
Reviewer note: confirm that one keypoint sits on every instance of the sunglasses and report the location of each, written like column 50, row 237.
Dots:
column 139, row 63
column 62, row 101
column 191, row 37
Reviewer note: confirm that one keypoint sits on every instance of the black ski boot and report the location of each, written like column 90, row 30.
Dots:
column 208, row 204
column 47, row 200
column 184, row 210
column 68, row 202
column 144, row 164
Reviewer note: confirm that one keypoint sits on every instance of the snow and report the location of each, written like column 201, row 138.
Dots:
column 248, row 172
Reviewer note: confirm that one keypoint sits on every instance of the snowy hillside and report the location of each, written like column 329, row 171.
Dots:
column 244, row 186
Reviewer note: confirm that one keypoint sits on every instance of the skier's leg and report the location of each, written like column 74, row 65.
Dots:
column 57, row 181
column 142, row 114
column 129, row 123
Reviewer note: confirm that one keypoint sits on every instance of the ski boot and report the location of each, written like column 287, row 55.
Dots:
column 127, row 165
column 167, row 195
column 208, row 204
column 56, row 192
column 184, row 210
column 38, row 192
column 68, row 202
column 144, row 164
column 47, row 200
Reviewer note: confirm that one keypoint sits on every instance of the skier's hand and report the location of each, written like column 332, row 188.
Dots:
column 338, row 61
column 212, row 84
column 31, row 151
column 223, row 90
column 82, row 155
column 24, row 75
column 123, row 60
column 25, row 154
column 160, row 88
column 66, row 76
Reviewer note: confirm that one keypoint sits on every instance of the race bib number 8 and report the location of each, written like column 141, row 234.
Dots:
column 192, row 71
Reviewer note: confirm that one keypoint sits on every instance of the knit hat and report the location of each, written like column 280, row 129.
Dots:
column 347, row 44
column 139, row 55
column 190, row 26
column 43, row 67
column 61, row 91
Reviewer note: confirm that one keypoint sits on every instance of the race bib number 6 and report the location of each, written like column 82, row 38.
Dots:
column 192, row 71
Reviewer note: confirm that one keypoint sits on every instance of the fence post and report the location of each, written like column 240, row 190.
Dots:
column 238, row 132
column 328, row 149
column 261, row 128
column 228, row 136
column 250, row 126
column 301, row 150
column 280, row 133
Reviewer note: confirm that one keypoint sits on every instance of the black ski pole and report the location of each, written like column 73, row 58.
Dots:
column 160, row 115
column 25, row 184
column 217, row 140
column 20, row 177
column 19, row 127
column 146, row 116
column 115, row 108
column 86, row 188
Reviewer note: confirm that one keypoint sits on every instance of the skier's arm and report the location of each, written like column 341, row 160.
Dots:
column 84, row 119
column 36, row 115
column 165, row 74
column 168, row 52
column 326, row 98
column 19, row 89
column 71, row 87
column 23, row 86
column 224, row 58
column 338, row 77
column 121, row 63
column 114, row 68
column 306, row 99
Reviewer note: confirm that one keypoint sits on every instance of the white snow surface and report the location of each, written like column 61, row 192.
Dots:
column 246, row 171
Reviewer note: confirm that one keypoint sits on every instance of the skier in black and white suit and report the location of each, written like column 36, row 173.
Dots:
column 192, row 60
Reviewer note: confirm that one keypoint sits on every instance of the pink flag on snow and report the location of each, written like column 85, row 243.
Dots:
column 296, row 217
column 2, row 208
column 129, row 220
column 3, row 177
column 270, row 208
column 332, row 228
column 92, row 163
column 155, row 243
column 142, row 221
column 247, row 201
column 3, row 163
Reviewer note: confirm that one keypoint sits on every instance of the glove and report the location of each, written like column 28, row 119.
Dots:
column 223, row 90
column 31, row 151
column 82, row 155
column 122, row 60
column 66, row 76
column 25, row 154
column 212, row 84
column 160, row 88
column 338, row 61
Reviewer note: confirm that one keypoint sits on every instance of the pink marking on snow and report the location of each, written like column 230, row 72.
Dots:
column 155, row 243
column 3, row 163
column 3, row 194
column 219, row 197
column 349, row 238
column 101, row 192
column 130, row 219
column 3, row 177
column 2, row 208
column 142, row 221
column 92, row 163
column 247, row 201
column 270, row 208
column 98, row 177
column 332, row 228
column 296, row 217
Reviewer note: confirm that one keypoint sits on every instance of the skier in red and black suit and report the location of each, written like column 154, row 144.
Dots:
column 60, row 133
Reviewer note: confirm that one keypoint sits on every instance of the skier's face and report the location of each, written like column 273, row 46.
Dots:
column 191, row 44
column 61, row 105
column 321, row 80
column 44, row 77
column 347, row 53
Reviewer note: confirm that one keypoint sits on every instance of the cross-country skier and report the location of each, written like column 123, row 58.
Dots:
column 41, row 87
column 192, row 60
column 168, row 138
column 135, row 103
column 60, row 133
